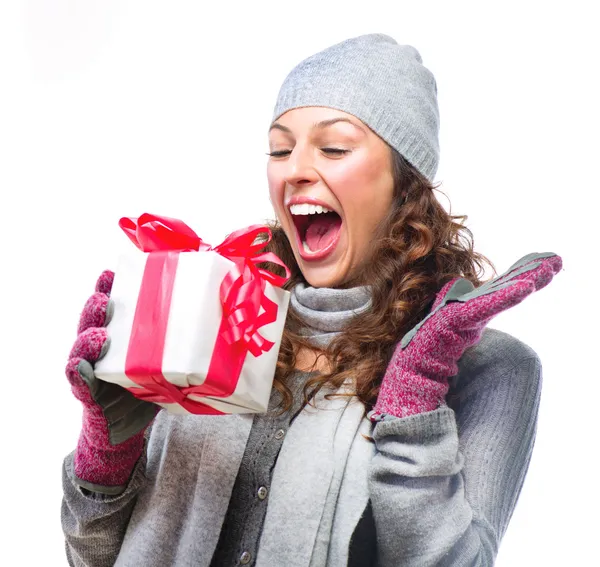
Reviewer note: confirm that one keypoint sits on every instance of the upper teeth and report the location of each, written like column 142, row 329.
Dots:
column 307, row 209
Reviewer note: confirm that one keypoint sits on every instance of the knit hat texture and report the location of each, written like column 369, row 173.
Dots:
column 383, row 84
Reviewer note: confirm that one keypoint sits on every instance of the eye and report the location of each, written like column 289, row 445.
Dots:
column 279, row 153
column 336, row 151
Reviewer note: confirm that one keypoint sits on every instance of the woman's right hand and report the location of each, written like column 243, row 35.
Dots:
column 114, row 421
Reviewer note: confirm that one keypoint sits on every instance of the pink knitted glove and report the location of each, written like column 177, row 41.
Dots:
column 114, row 421
column 416, row 379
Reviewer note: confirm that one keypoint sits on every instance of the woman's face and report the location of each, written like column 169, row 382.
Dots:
column 331, row 185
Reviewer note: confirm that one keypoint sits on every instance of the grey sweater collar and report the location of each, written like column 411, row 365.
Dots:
column 326, row 310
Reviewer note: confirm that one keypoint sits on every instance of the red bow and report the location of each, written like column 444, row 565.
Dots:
column 242, row 290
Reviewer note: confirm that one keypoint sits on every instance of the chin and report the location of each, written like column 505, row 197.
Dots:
column 320, row 281
column 323, row 277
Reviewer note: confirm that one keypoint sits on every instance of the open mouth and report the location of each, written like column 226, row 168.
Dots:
column 318, row 229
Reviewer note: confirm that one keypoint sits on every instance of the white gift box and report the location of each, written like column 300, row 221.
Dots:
column 193, row 323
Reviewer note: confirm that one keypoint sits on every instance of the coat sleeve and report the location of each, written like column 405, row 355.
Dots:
column 444, row 484
column 94, row 524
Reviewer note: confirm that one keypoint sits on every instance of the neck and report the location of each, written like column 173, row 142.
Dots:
column 326, row 311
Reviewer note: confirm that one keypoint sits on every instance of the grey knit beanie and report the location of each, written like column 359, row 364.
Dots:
column 383, row 84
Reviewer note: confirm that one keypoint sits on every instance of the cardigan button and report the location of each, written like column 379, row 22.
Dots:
column 262, row 492
column 245, row 558
column 280, row 433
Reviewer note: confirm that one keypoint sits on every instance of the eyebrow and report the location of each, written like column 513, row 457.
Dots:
column 319, row 125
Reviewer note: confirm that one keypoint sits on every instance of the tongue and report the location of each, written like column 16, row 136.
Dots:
column 322, row 231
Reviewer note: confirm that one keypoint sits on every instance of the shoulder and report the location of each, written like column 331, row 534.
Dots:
column 499, row 362
column 496, row 350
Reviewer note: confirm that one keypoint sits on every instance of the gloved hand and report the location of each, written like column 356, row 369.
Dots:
column 416, row 379
column 114, row 421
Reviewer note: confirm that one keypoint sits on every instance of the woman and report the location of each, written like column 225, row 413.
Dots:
column 399, row 430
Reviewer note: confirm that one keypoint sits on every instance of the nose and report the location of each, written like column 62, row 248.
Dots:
column 300, row 170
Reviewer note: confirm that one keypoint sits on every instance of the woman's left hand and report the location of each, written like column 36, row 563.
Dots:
column 416, row 379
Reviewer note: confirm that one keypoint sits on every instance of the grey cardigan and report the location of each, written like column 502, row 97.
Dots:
column 442, row 485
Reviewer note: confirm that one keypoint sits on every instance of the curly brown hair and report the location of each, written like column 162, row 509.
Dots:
column 419, row 248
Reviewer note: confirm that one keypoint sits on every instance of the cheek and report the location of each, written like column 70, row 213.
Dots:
column 277, row 197
column 275, row 188
column 364, row 191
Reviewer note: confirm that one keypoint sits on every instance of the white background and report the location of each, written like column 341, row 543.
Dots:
column 112, row 108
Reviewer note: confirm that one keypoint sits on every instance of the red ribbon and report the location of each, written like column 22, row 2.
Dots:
column 242, row 297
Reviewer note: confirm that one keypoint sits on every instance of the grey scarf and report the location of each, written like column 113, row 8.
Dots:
column 326, row 310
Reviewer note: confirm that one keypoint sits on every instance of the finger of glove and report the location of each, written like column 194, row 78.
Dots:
column 479, row 311
column 78, row 371
column 91, row 345
column 123, row 414
column 97, row 312
column 475, row 308
column 523, row 268
column 105, row 282
column 443, row 292
column 451, row 291
column 543, row 275
column 528, row 259
column 539, row 273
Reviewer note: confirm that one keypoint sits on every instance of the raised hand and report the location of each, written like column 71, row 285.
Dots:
column 416, row 379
